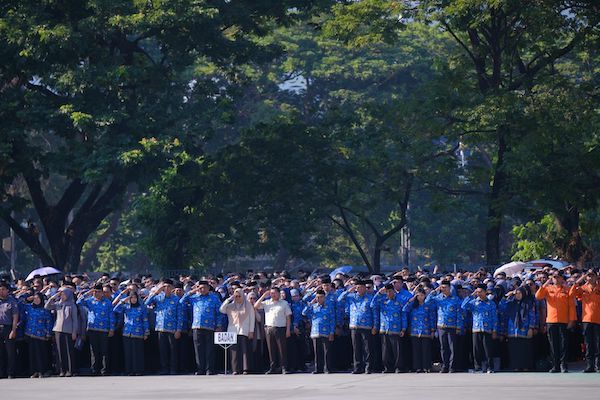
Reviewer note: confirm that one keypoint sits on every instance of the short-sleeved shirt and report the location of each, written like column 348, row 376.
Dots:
column 276, row 313
column 8, row 308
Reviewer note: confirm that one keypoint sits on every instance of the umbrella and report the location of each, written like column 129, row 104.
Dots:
column 553, row 263
column 340, row 270
column 513, row 268
column 44, row 271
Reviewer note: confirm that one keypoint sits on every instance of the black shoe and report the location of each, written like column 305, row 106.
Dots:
column 452, row 371
column 564, row 369
column 356, row 372
column 589, row 369
column 368, row 372
column 284, row 371
column 443, row 371
column 269, row 372
column 316, row 372
column 553, row 371
column 211, row 373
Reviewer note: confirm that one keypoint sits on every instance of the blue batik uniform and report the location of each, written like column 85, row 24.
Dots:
column 168, row 312
column 186, row 314
column 485, row 315
column 392, row 319
column 205, row 311
column 135, row 323
column 512, row 328
column 38, row 322
column 297, row 307
column 361, row 313
column 448, row 310
column 332, row 299
column 322, row 319
column 421, row 319
column 100, row 316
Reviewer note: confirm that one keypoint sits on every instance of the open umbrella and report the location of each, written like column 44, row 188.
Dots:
column 513, row 268
column 341, row 270
column 558, row 264
column 44, row 271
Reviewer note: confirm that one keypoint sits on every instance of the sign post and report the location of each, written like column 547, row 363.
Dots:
column 225, row 340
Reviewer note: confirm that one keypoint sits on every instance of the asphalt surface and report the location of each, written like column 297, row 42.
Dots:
column 571, row 386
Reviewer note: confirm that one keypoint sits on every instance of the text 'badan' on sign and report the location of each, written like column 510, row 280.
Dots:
column 225, row 338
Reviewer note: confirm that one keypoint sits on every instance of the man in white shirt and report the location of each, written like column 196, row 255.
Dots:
column 278, row 318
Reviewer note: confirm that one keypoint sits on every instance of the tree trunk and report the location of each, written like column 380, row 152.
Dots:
column 496, row 204
column 571, row 244
column 376, row 264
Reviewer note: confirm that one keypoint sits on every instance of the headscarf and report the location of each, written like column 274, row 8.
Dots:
column 42, row 300
column 240, row 311
column 68, row 304
column 137, row 303
column 517, row 310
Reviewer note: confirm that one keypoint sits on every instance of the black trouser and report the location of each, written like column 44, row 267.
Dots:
column 363, row 360
column 391, row 353
column 65, row 349
column 321, row 347
column 295, row 354
column 557, row 336
column 257, row 356
column 204, row 350
column 99, row 347
column 38, row 355
column 421, row 353
column 447, row 341
column 240, row 355
column 482, row 351
column 591, row 336
column 116, row 352
column 520, row 353
column 186, row 350
column 276, row 344
column 133, row 352
column 8, row 352
column 167, row 345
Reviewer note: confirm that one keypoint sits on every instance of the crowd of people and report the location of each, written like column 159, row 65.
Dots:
column 405, row 322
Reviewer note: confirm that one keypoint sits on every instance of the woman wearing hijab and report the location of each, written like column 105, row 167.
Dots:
column 65, row 329
column 38, row 329
column 241, row 317
column 136, row 329
column 520, row 312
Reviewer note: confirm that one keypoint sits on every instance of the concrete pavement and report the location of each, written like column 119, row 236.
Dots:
column 512, row 386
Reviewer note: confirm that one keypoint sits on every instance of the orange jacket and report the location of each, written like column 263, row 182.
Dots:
column 559, row 303
column 590, row 302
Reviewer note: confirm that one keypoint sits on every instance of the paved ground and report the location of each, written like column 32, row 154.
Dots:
column 572, row 386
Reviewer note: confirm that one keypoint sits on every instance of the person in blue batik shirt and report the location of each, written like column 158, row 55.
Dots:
column 485, row 327
column 363, row 325
column 422, row 324
column 296, row 341
column 392, row 326
column 321, row 315
column 206, row 318
column 519, row 309
column 169, row 322
column 448, row 311
column 100, row 326
column 38, row 329
column 136, row 329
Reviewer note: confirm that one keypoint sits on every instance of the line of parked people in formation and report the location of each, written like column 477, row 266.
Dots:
column 404, row 322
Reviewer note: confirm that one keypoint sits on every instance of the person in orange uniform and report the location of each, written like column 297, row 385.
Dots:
column 561, row 315
column 587, row 290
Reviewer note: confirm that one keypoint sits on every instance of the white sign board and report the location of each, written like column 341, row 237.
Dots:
column 225, row 338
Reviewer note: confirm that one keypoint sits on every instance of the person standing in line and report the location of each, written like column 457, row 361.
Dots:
column 278, row 321
column 521, row 322
column 560, row 316
column 66, row 328
column 169, row 323
column 136, row 329
column 421, row 323
column 449, row 322
column 364, row 323
column 587, row 290
column 392, row 326
column 9, row 321
column 485, row 327
column 321, row 314
column 241, row 318
column 38, row 329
